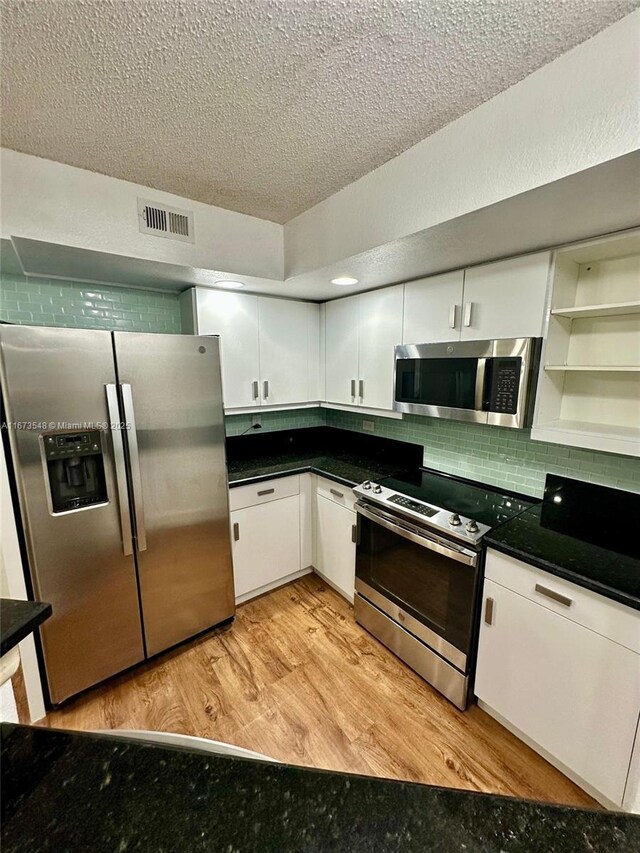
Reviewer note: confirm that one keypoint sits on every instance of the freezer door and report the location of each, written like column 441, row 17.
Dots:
column 53, row 383
column 171, row 393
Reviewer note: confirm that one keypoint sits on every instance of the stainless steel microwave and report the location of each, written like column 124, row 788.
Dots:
column 488, row 382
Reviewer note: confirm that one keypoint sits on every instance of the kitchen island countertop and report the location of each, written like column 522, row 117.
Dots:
column 79, row 791
column 18, row 619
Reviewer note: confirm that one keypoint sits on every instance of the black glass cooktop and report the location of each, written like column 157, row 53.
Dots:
column 484, row 504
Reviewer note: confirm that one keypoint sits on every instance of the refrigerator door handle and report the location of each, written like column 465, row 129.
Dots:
column 121, row 471
column 134, row 460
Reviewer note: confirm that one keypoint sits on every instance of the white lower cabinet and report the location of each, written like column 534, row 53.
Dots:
column 335, row 552
column 569, row 690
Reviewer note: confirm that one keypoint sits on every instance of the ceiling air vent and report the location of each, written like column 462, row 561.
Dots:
column 163, row 221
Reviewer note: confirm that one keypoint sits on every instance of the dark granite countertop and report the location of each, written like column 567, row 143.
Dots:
column 342, row 455
column 18, row 619
column 78, row 792
column 613, row 575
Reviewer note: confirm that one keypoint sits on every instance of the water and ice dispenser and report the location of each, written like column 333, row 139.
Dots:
column 75, row 469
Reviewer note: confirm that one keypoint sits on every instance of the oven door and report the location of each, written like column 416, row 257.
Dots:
column 426, row 583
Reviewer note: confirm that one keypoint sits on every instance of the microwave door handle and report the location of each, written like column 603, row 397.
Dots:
column 120, row 468
column 134, row 460
column 480, row 380
column 459, row 555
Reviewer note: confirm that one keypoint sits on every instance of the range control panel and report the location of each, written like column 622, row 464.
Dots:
column 401, row 500
column 504, row 385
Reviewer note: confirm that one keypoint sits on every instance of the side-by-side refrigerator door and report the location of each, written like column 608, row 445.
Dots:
column 58, row 387
column 172, row 402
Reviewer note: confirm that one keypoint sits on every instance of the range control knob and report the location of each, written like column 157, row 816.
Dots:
column 454, row 520
column 377, row 489
column 472, row 526
column 366, row 484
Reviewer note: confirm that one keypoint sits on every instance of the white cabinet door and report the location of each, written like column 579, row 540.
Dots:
column 266, row 543
column 288, row 350
column 505, row 299
column 380, row 331
column 433, row 309
column 573, row 692
column 341, row 351
column 335, row 548
column 233, row 316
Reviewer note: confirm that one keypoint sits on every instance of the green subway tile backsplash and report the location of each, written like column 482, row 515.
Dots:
column 495, row 455
column 51, row 302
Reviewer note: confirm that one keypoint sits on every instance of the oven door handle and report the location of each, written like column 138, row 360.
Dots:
column 460, row 555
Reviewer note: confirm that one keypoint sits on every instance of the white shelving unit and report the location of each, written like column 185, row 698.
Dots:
column 589, row 384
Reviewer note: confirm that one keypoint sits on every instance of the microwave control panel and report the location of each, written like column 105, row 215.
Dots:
column 504, row 385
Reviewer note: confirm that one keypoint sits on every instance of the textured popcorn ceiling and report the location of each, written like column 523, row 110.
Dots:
column 264, row 106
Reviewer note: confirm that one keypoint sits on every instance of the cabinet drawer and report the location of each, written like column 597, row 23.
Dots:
column 335, row 492
column 260, row 493
column 589, row 609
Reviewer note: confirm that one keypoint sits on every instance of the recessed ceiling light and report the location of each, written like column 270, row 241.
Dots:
column 230, row 285
column 344, row 279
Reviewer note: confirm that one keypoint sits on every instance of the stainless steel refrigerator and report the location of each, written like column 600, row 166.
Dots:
column 117, row 447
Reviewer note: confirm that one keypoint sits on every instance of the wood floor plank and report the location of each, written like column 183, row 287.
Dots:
column 296, row 678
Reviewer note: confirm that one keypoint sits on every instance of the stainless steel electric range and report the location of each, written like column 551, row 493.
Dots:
column 419, row 562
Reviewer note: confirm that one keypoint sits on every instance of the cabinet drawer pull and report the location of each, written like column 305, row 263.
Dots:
column 467, row 313
column 266, row 492
column 361, row 389
column 265, row 389
column 452, row 316
column 236, row 532
column 337, row 493
column 354, row 533
column 555, row 596
column 488, row 611
column 254, row 387
column 353, row 388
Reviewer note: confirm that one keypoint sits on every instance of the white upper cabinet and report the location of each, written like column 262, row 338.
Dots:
column 270, row 347
column 506, row 299
column 380, row 328
column 433, row 309
column 360, row 335
column 289, row 344
column 233, row 316
column 341, row 351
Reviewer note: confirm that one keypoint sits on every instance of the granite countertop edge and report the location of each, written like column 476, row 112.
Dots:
column 31, row 615
column 566, row 574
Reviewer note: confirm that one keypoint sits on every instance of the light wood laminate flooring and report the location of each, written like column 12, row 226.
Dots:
column 296, row 678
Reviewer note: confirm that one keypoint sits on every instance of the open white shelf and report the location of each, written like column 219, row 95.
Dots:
column 610, row 309
column 594, row 368
column 589, row 385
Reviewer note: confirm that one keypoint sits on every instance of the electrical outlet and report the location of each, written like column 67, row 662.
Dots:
column 256, row 420
column 369, row 426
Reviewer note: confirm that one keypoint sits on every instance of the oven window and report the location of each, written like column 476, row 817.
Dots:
column 448, row 382
column 435, row 589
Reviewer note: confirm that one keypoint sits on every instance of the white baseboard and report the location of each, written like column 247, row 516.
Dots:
column 254, row 593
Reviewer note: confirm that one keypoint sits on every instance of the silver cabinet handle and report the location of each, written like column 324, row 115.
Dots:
column 121, row 471
column 361, row 389
column 265, row 389
column 553, row 595
column 467, row 313
column 337, row 493
column 488, row 611
column 353, row 388
column 255, row 389
column 452, row 316
column 266, row 492
column 354, row 533
column 134, row 460
column 236, row 532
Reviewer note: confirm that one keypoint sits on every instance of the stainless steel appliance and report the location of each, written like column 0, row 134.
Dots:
column 419, row 559
column 117, row 443
column 489, row 382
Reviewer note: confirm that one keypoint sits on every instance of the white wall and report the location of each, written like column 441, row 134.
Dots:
column 55, row 203
column 576, row 112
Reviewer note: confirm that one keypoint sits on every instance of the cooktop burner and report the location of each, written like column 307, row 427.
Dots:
column 466, row 511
